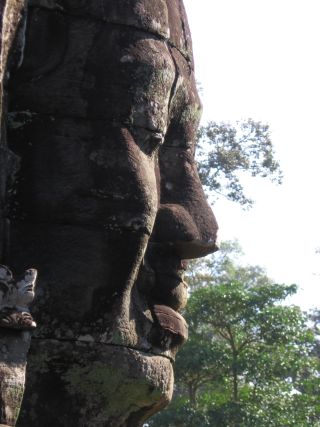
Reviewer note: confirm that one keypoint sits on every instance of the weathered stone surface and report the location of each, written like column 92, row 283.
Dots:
column 15, row 325
column 107, row 204
column 14, row 346
column 165, row 19
column 15, row 299
column 12, row 28
column 97, row 111
column 94, row 385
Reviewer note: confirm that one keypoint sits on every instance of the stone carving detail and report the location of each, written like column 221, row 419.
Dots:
column 12, row 378
column 15, row 299
column 16, row 323
column 102, row 111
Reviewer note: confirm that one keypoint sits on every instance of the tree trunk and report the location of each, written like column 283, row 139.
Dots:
column 192, row 391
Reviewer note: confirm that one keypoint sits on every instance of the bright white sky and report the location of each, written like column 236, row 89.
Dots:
column 260, row 59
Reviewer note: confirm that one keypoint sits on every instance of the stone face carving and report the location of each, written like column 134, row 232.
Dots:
column 15, row 299
column 107, row 204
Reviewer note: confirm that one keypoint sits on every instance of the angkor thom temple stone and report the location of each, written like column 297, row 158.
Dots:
column 100, row 194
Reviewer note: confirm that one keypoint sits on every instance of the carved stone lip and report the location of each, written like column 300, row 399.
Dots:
column 185, row 249
column 195, row 248
column 171, row 320
column 170, row 331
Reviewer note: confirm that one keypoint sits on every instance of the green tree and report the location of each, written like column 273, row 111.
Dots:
column 224, row 267
column 249, row 360
column 315, row 319
column 226, row 151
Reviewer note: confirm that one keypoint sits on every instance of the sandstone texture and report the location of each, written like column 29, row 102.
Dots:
column 100, row 194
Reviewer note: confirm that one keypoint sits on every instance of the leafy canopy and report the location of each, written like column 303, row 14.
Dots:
column 250, row 360
column 228, row 151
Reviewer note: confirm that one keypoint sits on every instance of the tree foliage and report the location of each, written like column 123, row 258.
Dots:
column 225, row 151
column 315, row 319
column 250, row 358
column 224, row 267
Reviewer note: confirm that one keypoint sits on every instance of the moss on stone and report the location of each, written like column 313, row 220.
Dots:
column 108, row 389
column 191, row 114
column 15, row 395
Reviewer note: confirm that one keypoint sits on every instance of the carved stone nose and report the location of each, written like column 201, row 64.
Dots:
column 195, row 248
column 192, row 233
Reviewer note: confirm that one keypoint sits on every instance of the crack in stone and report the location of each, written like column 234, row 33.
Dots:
column 107, row 345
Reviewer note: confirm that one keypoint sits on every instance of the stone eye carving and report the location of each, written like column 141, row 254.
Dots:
column 15, row 299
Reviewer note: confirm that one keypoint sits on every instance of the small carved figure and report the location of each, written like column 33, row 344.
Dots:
column 15, row 298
